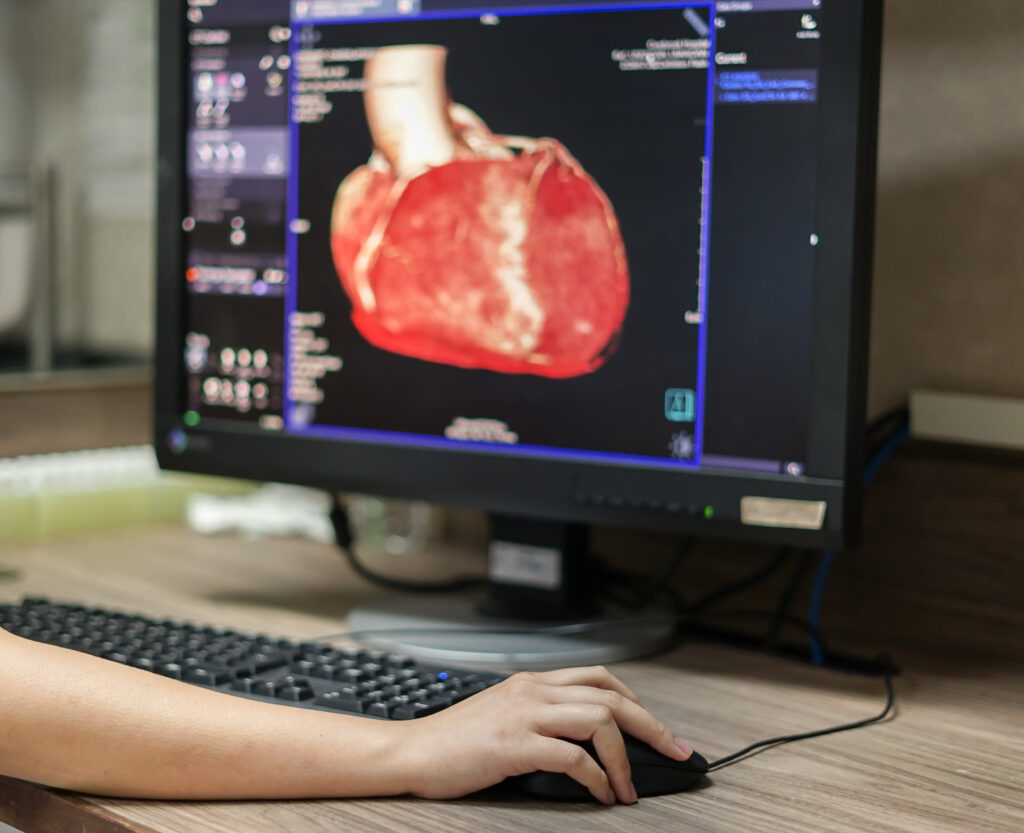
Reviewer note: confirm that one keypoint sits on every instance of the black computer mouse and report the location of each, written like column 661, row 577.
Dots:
column 653, row 774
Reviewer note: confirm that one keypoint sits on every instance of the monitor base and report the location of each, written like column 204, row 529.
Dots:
column 451, row 629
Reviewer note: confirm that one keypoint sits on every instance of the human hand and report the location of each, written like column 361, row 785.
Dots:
column 523, row 725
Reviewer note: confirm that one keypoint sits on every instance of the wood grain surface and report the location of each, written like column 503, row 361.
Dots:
column 937, row 584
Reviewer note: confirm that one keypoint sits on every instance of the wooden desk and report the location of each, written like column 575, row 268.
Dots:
column 951, row 760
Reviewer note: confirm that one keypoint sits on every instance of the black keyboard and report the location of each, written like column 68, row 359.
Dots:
column 259, row 667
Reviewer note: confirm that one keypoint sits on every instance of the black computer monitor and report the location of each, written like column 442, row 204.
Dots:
column 575, row 262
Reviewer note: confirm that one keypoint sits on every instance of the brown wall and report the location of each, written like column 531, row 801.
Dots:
column 949, row 275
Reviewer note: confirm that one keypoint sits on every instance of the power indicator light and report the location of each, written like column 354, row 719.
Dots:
column 709, row 512
column 177, row 441
column 191, row 419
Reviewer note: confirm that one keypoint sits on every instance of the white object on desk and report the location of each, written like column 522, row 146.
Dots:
column 965, row 418
column 275, row 509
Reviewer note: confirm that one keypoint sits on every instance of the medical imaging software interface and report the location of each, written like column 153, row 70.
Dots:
column 575, row 230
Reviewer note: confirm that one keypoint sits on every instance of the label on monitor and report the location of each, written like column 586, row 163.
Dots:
column 525, row 566
column 783, row 514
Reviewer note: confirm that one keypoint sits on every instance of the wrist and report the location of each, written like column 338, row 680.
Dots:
column 408, row 759
column 359, row 757
column 389, row 758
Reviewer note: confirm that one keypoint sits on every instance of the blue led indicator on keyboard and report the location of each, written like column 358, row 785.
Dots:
column 443, row 675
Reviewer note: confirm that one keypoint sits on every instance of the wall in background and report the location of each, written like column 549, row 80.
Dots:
column 14, row 136
column 87, row 90
column 949, row 275
column 15, row 231
column 949, row 281
column 118, row 183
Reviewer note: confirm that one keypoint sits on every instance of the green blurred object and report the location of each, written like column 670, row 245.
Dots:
column 53, row 496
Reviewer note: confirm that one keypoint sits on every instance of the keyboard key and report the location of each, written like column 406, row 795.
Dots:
column 211, row 676
column 399, row 661
column 378, row 710
column 411, row 711
column 341, row 702
column 261, row 662
column 291, row 679
column 294, row 693
column 467, row 692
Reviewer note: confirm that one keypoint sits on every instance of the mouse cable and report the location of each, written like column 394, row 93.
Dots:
column 749, row 751
column 343, row 533
column 760, row 746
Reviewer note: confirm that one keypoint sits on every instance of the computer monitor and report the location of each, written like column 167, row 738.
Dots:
column 569, row 262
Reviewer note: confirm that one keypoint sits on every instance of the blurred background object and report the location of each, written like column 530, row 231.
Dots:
column 15, row 250
column 77, row 171
column 50, row 496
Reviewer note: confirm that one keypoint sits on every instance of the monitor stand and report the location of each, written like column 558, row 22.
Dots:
column 540, row 608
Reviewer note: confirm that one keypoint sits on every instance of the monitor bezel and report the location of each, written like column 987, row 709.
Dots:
column 571, row 490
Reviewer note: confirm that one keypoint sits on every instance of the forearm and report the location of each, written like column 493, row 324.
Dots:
column 74, row 721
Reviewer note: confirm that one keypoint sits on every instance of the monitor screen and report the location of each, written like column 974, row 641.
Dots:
column 589, row 261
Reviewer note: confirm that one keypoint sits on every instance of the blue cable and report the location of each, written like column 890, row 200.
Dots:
column 884, row 453
column 828, row 559
column 814, row 608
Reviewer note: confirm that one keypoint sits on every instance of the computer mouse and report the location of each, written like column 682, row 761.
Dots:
column 653, row 774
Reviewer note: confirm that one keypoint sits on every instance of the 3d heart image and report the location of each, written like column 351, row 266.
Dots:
column 466, row 248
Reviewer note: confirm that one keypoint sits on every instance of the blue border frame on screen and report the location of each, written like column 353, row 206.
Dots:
column 432, row 441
